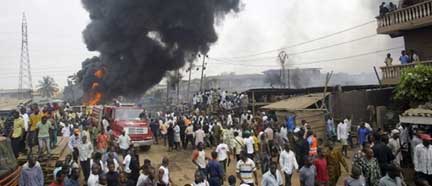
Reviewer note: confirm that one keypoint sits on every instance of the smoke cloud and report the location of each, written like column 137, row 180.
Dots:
column 140, row 40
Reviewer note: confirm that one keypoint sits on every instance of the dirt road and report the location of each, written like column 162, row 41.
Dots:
column 182, row 170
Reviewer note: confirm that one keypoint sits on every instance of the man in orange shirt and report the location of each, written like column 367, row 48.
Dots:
column 102, row 142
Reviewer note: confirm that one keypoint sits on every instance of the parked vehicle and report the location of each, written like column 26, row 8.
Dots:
column 126, row 118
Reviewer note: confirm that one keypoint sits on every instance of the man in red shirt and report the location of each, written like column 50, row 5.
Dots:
column 321, row 166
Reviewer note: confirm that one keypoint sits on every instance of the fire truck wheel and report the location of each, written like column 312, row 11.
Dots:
column 146, row 148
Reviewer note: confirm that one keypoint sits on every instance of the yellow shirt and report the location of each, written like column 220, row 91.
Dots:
column 18, row 127
column 34, row 120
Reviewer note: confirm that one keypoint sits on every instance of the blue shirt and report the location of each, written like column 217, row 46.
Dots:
column 291, row 123
column 404, row 59
column 330, row 127
column 71, row 182
column 362, row 134
column 214, row 169
column 31, row 176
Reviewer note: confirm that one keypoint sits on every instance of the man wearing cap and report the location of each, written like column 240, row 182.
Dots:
column 395, row 146
column 422, row 159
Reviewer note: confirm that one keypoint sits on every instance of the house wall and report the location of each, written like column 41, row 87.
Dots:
column 420, row 40
column 354, row 103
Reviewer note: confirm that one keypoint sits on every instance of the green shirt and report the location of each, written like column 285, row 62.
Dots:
column 43, row 129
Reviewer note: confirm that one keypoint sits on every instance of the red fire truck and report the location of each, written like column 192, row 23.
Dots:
column 125, row 117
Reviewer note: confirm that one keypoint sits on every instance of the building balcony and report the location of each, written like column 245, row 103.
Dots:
column 391, row 74
column 416, row 16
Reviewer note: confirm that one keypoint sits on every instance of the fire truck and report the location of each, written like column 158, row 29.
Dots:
column 126, row 117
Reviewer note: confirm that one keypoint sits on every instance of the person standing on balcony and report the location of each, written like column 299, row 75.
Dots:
column 404, row 58
column 414, row 58
column 383, row 9
column 388, row 60
column 391, row 7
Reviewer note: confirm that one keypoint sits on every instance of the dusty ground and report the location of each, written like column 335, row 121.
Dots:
column 182, row 170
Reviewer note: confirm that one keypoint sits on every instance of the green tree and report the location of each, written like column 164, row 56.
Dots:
column 415, row 85
column 47, row 86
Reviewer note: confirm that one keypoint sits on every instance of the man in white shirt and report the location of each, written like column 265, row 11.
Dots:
column 93, row 179
column 423, row 157
column 249, row 143
column 26, row 118
column 342, row 136
column 105, row 124
column 164, row 171
column 143, row 179
column 124, row 143
column 223, row 155
column 288, row 163
column 347, row 120
column 66, row 131
column 272, row 177
column 126, row 162
column 199, row 157
column 85, row 151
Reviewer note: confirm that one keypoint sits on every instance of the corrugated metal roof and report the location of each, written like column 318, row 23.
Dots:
column 296, row 103
column 419, row 112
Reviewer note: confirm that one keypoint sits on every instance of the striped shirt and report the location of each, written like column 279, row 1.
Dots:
column 246, row 170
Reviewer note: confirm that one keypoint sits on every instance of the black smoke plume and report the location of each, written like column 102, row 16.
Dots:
column 139, row 40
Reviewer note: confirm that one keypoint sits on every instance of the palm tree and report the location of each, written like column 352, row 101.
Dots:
column 47, row 86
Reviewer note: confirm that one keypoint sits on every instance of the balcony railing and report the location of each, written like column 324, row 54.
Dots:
column 391, row 74
column 406, row 18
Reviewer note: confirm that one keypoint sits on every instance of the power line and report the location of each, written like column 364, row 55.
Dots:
column 305, row 42
column 316, row 61
column 305, row 51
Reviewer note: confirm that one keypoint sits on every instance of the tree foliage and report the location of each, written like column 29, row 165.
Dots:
column 415, row 84
column 47, row 86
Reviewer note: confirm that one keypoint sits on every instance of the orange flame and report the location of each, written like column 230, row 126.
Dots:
column 95, row 98
column 99, row 73
column 94, row 95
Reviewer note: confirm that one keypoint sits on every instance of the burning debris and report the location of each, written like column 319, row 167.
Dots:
column 140, row 40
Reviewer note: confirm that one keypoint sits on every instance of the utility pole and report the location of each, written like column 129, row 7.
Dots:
column 282, row 59
column 328, row 77
column 202, row 70
column 25, row 70
column 189, row 81
column 178, row 79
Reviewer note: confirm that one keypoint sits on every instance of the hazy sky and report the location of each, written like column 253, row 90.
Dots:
column 56, row 47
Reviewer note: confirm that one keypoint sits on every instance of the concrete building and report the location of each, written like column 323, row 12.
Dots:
column 413, row 22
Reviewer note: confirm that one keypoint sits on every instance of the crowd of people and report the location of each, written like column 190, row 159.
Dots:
column 265, row 151
column 213, row 99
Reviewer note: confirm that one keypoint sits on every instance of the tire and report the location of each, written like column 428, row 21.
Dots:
column 146, row 148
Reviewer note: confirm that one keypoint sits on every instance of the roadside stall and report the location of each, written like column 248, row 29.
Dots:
column 306, row 107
